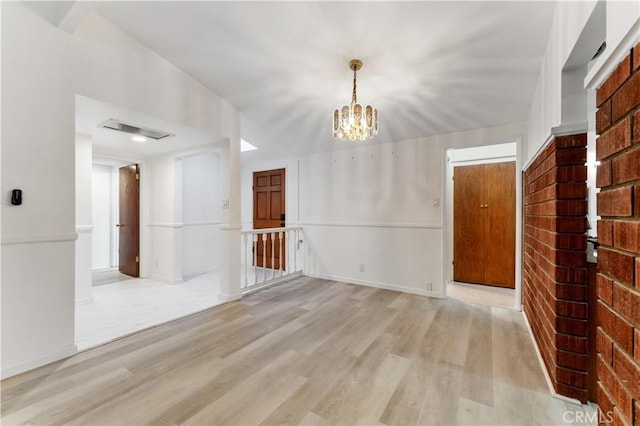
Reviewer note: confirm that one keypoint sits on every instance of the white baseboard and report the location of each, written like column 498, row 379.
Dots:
column 84, row 301
column 547, row 378
column 224, row 298
column 375, row 284
column 45, row 359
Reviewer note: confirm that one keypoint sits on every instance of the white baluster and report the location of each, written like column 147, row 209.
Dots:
column 254, row 237
column 273, row 254
column 280, row 252
column 246, row 272
column 289, row 256
column 264, row 257
column 295, row 252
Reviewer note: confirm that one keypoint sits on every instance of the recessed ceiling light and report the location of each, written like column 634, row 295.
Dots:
column 246, row 146
column 139, row 138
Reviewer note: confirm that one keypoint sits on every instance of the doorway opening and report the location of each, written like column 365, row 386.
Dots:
column 482, row 194
column 115, row 207
column 147, row 218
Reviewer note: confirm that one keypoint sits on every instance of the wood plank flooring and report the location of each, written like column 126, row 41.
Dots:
column 308, row 351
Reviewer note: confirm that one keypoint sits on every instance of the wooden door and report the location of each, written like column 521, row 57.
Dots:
column 484, row 224
column 500, row 212
column 129, row 221
column 269, row 212
column 468, row 224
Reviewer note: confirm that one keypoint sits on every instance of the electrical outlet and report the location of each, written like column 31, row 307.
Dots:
column 225, row 203
column 362, row 267
column 429, row 286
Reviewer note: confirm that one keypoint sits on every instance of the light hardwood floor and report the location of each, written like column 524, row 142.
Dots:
column 306, row 352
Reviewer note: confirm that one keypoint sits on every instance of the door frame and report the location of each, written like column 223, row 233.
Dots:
column 447, row 272
column 144, row 205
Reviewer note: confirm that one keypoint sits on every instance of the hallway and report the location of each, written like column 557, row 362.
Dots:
column 124, row 307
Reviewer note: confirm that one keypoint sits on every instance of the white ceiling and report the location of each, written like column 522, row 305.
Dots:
column 429, row 67
column 114, row 144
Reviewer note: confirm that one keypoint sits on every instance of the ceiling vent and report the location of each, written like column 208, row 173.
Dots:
column 121, row 126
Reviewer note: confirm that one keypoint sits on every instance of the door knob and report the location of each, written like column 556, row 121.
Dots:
column 119, row 225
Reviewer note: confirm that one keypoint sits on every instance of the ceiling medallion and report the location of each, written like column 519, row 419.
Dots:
column 352, row 122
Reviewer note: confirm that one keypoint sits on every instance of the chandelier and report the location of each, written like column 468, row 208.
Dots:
column 353, row 122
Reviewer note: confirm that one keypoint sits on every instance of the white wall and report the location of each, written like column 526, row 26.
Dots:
column 165, row 217
column 291, row 187
column 117, row 69
column 200, row 213
column 48, row 67
column 622, row 33
column 38, row 156
column 101, row 216
column 546, row 108
column 83, row 218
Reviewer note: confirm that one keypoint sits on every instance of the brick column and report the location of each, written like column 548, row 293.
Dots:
column 618, row 280
column 555, row 275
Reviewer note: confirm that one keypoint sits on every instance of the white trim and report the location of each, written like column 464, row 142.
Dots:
column 547, row 378
column 40, row 239
column 176, row 225
column 84, row 301
column 84, row 229
column 558, row 131
column 226, row 227
column 45, row 359
column 544, row 146
column 600, row 72
column 495, row 159
column 200, row 223
column 375, row 284
column 570, row 129
column 375, row 225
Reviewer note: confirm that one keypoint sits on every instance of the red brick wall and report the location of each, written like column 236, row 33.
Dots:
column 555, row 274
column 618, row 280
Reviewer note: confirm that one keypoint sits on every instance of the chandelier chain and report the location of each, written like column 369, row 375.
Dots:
column 354, row 99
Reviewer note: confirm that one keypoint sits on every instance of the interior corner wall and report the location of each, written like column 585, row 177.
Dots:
column 38, row 151
column 201, row 213
column 554, row 273
column 618, row 279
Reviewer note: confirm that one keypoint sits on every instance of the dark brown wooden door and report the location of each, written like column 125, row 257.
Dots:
column 468, row 224
column 269, row 212
column 129, row 222
column 484, row 224
column 500, row 213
